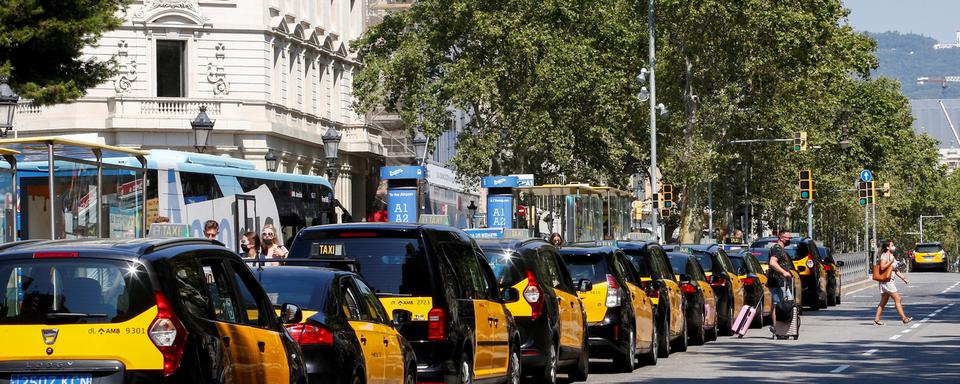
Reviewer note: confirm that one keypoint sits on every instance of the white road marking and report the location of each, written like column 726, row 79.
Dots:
column 869, row 286
column 894, row 337
column 925, row 320
column 840, row 369
column 915, row 326
column 906, row 330
column 870, row 352
column 862, row 296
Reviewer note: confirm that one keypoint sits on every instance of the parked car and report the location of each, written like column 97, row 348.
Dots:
column 756, row 292
column 701, row 309
column 834, row 281
column 660, row 284
column 438, row 278
column 806, row 259
column 763, row 257
column 549, row 314
column 182, row 310
column 620, row 318
column 723, row 278
column 344, row 332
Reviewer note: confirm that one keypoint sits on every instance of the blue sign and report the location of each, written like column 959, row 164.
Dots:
column 500, row 211
column 485, row 233
column 402, row 205
column 500, row 182
column 866, row 176
column 407, row 172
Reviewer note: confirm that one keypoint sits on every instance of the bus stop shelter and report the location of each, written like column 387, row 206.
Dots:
column 63, row 189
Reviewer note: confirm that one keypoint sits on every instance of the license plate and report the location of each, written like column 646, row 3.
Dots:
column 52, row 379
column 928, row 257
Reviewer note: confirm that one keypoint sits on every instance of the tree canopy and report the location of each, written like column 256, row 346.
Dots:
column 41, row 44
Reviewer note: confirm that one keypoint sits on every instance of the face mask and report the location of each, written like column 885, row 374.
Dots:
column 893, row 249
column 267, row 241
column 244, row 248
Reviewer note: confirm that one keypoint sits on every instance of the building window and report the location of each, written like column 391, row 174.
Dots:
column 171, row 56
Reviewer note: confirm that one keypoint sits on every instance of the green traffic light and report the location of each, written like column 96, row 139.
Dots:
column 668, row 204
column 804, row 195
column 863, row 201
column 796, row 148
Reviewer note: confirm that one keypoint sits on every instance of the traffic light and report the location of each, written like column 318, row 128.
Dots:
column 886, row 190
column 806, row 185
column 866, row 192
column 800, row 141
column 664, row 213
column 656, row 201
column 667, row 196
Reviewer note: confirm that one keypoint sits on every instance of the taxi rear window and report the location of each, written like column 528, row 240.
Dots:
column 679, row 264
column 73, row 291
column 506, row 266
column 738, row 263
column 762, row 255
column 706, row 262
column 928, row 248
column 592, row 267
column 392, row 263
column 310, row 290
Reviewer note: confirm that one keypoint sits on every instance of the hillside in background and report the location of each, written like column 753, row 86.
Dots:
column 906, row 57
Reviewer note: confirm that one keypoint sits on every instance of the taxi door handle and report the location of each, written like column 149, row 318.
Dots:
column 261, row 346
column 386, row 342
column 226, row 340
column 363, row 340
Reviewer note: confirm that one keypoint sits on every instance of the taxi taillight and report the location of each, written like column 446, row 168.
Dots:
column 827, row 267
column 437, row 325
column 613, row 292
column 748, row 280
column 309, row 334
column 533, row 296
column 168, row 335
column 688, row 288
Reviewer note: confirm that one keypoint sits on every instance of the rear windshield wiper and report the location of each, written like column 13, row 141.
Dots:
column 74, row 315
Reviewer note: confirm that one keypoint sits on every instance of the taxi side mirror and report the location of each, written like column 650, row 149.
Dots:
column 401, row 317
column 509, row 295
column 584, row 285
column 840, row 263
column 290, row 313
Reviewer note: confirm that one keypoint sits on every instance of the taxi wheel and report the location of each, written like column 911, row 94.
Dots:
column 725, row 326
column 627, row 361
column 410, row 377
column 757, row 322
column 515, row 366
column 712, row 333
column 699, row 335
column 681, row 342
column 549, row 374
column 831, row 300
column 582, row 369
column 651, row 357
column 466, row 371
column 664, row 341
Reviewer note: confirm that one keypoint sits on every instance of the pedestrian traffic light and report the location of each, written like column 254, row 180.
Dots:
column 886, row 190
column 800, row 141
column 806, row 185
column 667, row 196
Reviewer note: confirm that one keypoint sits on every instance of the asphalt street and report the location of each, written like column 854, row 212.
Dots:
column 836, row 345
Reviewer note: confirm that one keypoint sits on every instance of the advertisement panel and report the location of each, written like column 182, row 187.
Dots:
column 402, row 205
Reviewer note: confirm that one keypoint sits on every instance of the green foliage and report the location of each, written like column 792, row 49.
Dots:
column 41, row 42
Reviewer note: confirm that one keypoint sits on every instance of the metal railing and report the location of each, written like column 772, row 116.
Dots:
column 855, row 267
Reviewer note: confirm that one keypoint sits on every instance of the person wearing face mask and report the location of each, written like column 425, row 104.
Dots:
column 250, row 245
column 272, row 248
column 887, row 288
column 779, row 278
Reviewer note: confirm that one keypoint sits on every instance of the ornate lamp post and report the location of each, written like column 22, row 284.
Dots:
column 420, row 146
column 8, row 106
column 202, row 126
column 331, row 146
column 271, row 159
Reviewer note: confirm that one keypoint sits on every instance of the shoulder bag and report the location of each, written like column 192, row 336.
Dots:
column 882, row 275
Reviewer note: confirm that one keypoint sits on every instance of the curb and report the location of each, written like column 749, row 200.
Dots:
column 855, row 287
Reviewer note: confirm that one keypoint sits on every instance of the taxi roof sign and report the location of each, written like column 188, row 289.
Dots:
column 498, row 233
column 169, row 230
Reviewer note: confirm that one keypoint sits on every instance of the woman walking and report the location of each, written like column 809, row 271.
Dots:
column 887, row 288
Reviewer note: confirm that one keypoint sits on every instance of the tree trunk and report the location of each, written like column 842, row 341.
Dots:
column 691, row 217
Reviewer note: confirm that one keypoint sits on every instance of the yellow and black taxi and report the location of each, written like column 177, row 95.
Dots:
column 755, row 290
column 832, row 268
column 763, row 257
column 723, row 278
column 183, row 310
column 620, row 318
column 344, row 332
column 928, row 256
column 549, row 314
column 660, row 284
column 805, row 255
column 701, row 311
column 435, row 282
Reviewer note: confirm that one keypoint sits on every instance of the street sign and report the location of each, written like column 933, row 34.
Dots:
column 866, row 176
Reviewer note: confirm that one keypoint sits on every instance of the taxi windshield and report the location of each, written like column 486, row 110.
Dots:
column 928, row 249
column 73, row 291
column 389, row 263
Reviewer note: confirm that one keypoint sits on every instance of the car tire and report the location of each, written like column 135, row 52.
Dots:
column 651, row 357
column 410, row 377
column 757, row 322
column 581, row 370
column 726, row 328
column 680, row 345
column 626, row 362
column 699, row 336
column 831, row 300
column 465, row 375
column 514, row 371
column 549, row 374
column 664, row 341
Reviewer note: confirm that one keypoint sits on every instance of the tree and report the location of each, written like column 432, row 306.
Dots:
column 41, row 44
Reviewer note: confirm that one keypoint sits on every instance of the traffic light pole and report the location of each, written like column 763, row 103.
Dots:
column 810, row 219
column 874, row 209
column 866, row 234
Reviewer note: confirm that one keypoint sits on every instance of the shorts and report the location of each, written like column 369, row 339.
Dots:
column 888, row 287
column 776, row 295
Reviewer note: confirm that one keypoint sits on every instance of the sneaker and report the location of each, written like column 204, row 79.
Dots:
column 907, row 320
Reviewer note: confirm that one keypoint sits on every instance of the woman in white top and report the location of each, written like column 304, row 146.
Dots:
column 271, row 248
column 887, row 288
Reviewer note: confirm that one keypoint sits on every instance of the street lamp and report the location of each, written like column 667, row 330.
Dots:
column 8, row 106
column 420, row 146
column 331, row 146
column 271, row 159
column 202, row 126
column 472, row 208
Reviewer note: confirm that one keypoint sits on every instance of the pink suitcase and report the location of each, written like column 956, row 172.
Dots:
column 743, row 321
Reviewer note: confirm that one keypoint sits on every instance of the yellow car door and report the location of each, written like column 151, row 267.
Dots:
column 569, row 305
column 369, row 337
column 393, row 364
column 641, row 303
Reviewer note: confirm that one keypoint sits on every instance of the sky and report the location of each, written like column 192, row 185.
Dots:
column 939, row 19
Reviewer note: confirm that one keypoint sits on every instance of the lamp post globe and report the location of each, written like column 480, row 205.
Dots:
column 420, row 146
column 8, row 106
column 271, row 159
column 331, row 147
column 202, row 126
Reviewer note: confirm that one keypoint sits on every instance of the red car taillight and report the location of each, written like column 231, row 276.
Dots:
column 613, row 292
column 749, row 280
column 533, row 296
column 309, row 334
column 688, row 288
column 827, row 267
column 168, row 335
column 717, row 281
column 437, row 325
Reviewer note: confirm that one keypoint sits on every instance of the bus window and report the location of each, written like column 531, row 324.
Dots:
column 199, row 187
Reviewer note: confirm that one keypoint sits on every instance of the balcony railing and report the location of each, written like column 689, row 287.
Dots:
column 157, row 106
